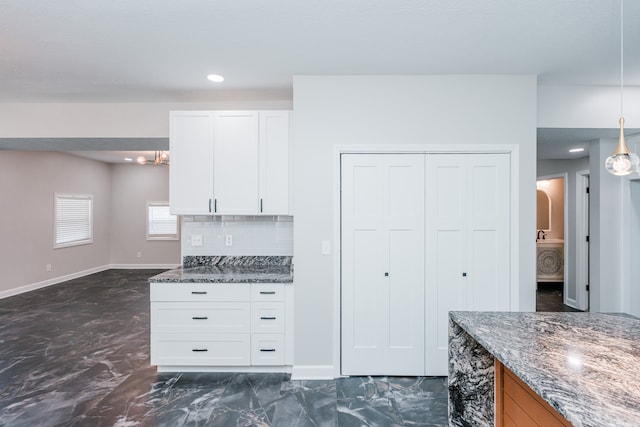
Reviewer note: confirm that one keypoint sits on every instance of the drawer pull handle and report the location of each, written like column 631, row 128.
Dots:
column 199, row 349
column 199, row 292
column 268, row 350
column 267, row 318
column 267, row 292
column 199, row 317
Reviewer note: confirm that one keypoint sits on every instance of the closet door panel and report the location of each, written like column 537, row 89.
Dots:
column 467, row 235
column 382, row 275
column 488, row 224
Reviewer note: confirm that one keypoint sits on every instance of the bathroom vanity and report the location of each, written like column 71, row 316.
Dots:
column 550, row 260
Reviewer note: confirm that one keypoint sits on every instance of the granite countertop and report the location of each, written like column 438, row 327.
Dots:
column 585, row 365
column 226, row 274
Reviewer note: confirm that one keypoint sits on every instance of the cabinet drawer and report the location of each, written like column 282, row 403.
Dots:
column 201, row 350
column 267, row 292
column 200, row 317
column 200, row 291
column 267, row 349
column 267, row 317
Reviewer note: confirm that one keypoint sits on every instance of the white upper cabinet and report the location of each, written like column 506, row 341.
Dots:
column 235, row 162
column 230, row 163
column 191, row 165
column 274, row 163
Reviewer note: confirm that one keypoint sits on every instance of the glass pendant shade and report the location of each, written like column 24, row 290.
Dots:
column 622, row 161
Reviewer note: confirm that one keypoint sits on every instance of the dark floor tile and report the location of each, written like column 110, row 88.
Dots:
column 77, row 354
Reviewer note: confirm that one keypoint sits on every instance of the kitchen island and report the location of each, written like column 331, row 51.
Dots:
column 583, row 366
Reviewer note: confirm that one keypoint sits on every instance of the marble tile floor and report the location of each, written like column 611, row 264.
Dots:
column 549, row 297
column 77, row 354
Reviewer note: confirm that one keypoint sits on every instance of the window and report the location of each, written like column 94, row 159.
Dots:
column 73, row 220
column 161, row 225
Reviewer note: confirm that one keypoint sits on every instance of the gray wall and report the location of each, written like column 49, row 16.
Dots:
column 386, row 111
column 132, row 187
column 28, row 181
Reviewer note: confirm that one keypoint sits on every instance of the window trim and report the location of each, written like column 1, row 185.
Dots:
column 79, row 242
column 155, row 237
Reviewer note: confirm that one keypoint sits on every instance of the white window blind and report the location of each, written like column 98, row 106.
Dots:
column 73, row 220
column 161, row 225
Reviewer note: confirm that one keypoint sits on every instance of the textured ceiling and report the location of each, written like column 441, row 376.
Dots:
column 161, row 50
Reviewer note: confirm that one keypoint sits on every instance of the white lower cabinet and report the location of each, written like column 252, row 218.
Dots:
column 267, row 349
column 200, row 349
column 213, row 326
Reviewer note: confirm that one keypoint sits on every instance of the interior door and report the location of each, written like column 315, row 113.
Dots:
column 468, row 235
column 382, row 208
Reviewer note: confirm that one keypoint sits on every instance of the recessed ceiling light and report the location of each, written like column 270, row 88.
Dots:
column 576, row 150
column 128, row 159
column 216, row 78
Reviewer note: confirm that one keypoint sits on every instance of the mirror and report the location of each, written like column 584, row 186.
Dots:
column 543, row 204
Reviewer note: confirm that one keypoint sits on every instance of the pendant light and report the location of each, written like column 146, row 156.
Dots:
column 622, row 161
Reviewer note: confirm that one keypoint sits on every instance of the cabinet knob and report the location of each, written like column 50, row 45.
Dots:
column 386, row 274
column 464, row 274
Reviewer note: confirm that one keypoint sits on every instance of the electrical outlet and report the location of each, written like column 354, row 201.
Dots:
column 196, row 240
column 48, row 267
column 139, row 254
column 228, row 239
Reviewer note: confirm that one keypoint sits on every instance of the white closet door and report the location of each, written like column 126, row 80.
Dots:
column 382, row 264
column 467, row 255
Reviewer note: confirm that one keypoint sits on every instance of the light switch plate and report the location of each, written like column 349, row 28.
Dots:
column 326, row 247
column 196, row 240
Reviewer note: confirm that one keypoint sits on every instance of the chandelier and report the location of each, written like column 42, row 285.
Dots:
column 159, row 158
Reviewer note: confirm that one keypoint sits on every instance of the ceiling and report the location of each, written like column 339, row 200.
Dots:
column 162, row 50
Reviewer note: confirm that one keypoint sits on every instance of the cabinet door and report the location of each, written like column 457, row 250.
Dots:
column 235, row 164
column 191, row 166
column 274, row 162
column 382, row 264
column 467, row 234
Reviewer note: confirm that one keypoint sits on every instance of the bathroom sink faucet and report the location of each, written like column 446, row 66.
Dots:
column 544, row 235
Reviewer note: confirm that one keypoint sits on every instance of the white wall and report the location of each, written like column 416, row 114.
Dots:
column 388, row 110
column 607, row 261
column 250, row 235
column 589, row 107
column 552, row 167
column 132, row 187
column 28, row 181
column 106, row 120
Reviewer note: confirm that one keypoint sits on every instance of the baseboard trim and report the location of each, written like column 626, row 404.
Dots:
column 313, row 372
column 143, row 266
column 53, row 281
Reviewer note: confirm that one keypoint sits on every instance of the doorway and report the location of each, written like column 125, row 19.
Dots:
column 552, row 274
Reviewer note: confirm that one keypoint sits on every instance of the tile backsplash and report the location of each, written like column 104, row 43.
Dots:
column 247, row 235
